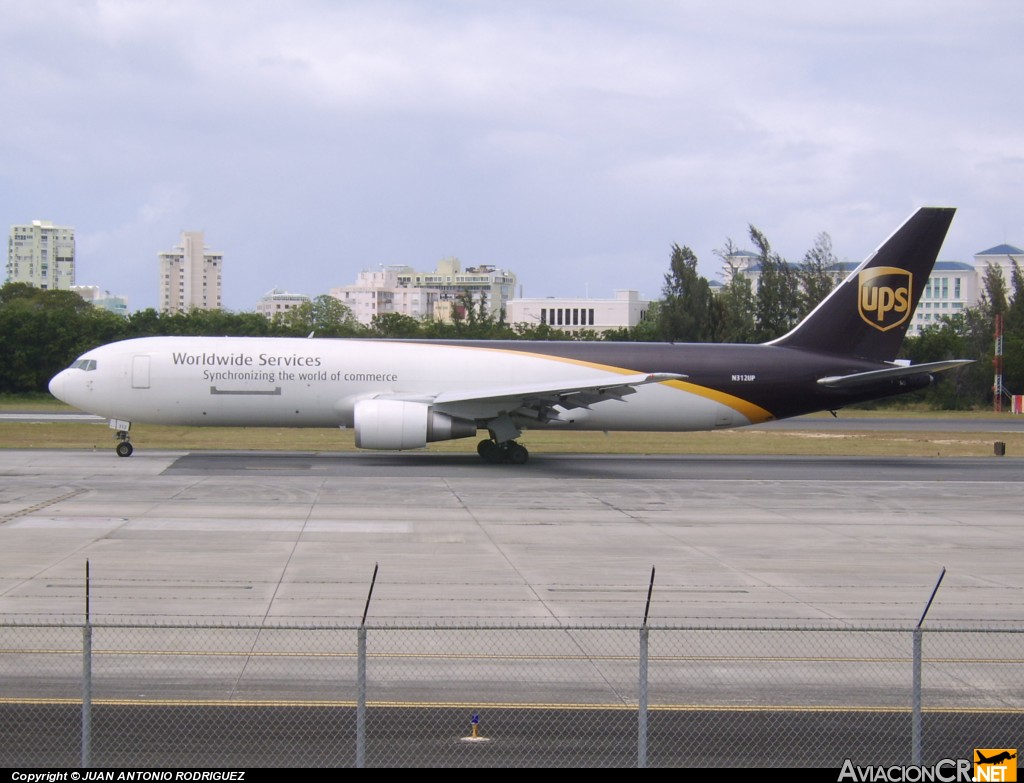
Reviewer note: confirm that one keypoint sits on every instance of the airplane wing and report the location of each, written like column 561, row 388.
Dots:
column 898, row 371
column 540, row 399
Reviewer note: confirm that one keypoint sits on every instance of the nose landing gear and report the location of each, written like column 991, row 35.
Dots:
column 124, row 446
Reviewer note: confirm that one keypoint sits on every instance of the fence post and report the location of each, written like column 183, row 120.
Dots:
column 641, row 717
column 86, row 694
column 361, row 700
column 915, row 728
column 86, row 678
column 641, row 740
column 361, row 679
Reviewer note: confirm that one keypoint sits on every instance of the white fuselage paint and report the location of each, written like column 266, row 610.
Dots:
column 292, row 382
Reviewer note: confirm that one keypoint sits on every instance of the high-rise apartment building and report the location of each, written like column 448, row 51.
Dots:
column 41, row 254
column 190, row 276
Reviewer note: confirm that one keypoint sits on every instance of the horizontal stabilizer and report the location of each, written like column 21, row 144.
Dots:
column 899, row 371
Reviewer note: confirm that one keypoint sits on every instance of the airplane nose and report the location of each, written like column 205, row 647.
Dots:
column 57, row 385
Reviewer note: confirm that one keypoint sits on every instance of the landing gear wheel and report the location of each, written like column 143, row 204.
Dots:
column 517, row 455
column 496, row 453
column 490, row 451
column 124, row 446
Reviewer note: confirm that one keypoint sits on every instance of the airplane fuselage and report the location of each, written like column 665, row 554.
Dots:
column 292, row 382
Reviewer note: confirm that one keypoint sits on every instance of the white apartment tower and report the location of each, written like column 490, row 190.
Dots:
column 190, row 276
column 41, row 254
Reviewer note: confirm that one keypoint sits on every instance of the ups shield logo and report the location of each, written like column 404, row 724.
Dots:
column 884, row 297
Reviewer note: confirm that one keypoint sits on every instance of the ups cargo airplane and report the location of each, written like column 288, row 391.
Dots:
column 403, row 394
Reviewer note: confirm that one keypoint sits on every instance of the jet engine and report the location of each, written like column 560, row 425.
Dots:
column 397, row 424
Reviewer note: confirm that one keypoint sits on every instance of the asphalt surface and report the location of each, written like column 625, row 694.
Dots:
column 272, row 540
column 564, row 538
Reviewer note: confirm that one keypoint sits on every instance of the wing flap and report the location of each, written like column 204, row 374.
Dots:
column 538, row 401
column 585, row 392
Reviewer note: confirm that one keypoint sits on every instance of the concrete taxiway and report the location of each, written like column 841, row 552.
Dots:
column 565, row 539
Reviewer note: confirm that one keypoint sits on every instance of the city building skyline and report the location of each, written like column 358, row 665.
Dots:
column 43, row 254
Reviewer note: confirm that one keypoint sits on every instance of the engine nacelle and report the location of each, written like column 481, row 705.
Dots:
column 396, row 424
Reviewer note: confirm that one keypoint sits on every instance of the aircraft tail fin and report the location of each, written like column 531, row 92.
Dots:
column 867, row 315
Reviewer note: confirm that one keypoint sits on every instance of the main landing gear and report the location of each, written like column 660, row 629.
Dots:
column 497, row 453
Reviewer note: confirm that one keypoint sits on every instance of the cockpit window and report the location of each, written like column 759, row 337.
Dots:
column 84, row 364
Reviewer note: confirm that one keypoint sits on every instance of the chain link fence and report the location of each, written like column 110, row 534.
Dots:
column 219, row 695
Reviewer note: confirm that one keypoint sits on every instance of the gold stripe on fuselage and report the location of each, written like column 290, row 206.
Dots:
column 754, row 413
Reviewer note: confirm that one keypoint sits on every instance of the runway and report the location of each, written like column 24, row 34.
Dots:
column 566, row 538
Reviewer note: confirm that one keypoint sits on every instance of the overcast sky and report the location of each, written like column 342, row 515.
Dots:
column 572, row 143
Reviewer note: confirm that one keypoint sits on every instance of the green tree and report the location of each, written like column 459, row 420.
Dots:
column 1014, row 318
column 957, row 389
column 1013, row 335
column 995, row 294
column 776, row 302
column 13, row 292
column 815, row 278
column 644, row 332
column 213, row 323
column 736, row 304
column 146, row 323
column 396, row 325
column 523, row 331
column 477, row 318
column 735, row 300
column 647, row 330
column 1000, row 298
column 42, row 332
column 324, row 316
column 472, row 319
column 685, row 313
